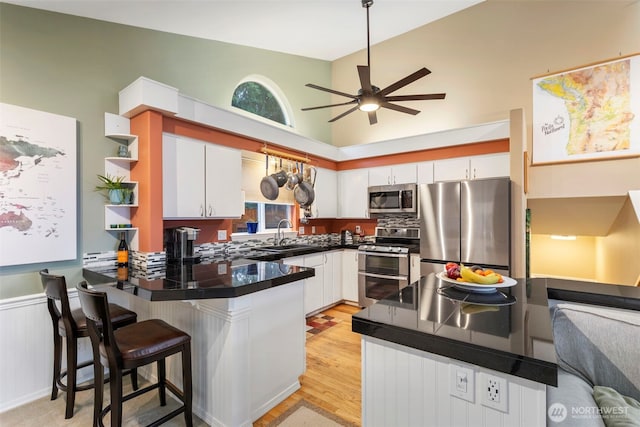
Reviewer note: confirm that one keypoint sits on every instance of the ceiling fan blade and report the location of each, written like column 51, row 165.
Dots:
column 424, row 97
column 399, row 108
column 311, row 85
column 331, row 105
column 373, row 118
column 403, row 82
column 351, row 110
column 364, row 72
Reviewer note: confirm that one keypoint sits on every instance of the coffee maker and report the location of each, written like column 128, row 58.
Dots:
column 179, row 243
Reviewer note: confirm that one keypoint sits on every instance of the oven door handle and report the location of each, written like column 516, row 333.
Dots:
column 382, row 254
column 382, row 276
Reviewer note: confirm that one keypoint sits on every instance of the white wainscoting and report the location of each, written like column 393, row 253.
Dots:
column 402, row 386
column 26, row 350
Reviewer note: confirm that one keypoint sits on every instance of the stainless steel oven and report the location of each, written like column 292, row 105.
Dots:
column 383, row 267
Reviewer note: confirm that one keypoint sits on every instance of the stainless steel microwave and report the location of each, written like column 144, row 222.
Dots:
column 393, row 199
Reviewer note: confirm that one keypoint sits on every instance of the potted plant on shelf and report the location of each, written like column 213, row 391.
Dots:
column 114, row 186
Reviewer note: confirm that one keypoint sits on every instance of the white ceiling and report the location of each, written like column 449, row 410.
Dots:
column 322, row 29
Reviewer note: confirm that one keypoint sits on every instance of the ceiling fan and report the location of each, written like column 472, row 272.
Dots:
column 370, row 98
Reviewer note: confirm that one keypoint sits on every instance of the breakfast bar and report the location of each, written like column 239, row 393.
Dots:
column 246, row 320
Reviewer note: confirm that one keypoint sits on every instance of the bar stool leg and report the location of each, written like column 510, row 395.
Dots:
column 162, row 379
column 186, row 385
column 134, row 378
column 98, row 392
column 57, row 363
column 72, row 359
column 116, row 396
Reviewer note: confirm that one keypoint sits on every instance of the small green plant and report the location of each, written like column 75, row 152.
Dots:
column 114, row 187
column 110, row 182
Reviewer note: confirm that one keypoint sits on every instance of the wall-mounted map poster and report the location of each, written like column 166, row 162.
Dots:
column 589, row 113
column 38, row 174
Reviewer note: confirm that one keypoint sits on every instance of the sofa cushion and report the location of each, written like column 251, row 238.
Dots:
column 617, row 410
column 566, row 403
column 599, row 345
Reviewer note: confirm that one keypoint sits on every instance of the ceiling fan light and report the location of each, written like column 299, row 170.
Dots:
column 369, row 105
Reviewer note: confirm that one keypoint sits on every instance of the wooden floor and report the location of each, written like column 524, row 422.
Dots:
column 332, row 378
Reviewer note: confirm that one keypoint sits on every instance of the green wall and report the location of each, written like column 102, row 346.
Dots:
column 75, row 67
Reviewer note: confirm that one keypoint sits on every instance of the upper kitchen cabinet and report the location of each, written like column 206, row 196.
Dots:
column 325, row 204
column 389, row 175
column 476, row 167
column 352, row 193
column 425, row 172
column 200, row 180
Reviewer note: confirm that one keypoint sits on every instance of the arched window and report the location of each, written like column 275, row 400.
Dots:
column 259, row 98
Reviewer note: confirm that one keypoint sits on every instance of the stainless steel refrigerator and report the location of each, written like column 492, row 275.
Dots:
column 466, row 222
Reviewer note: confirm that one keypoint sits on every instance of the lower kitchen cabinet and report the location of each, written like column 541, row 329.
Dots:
column 319, row 290
column 350, row 275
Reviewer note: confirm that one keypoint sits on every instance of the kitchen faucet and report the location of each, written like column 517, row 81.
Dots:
column 278, row 241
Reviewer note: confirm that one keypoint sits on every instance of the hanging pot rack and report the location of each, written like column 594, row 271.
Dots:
column 284, row 155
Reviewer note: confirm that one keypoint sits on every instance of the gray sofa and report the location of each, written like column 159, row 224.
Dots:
column 595, row 346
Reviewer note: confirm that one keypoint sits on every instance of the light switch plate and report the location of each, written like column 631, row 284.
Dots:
column 222, row 235
column 462, row 382
column 313, row 229
column 301, row 230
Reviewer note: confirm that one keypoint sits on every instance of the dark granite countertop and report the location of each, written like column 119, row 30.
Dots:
column 497, row 331
column 209, row 279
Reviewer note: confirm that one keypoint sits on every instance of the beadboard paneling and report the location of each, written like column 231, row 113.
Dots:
column 407, row 387
column 26, row 350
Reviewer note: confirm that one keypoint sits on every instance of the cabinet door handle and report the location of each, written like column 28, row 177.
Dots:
column 210, row 213
column 201, row 210
column 474, row 173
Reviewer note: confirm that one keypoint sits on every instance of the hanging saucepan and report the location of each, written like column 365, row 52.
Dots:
column 269, row 185
column 293, row 178
column 304, row 193
column 280, row 176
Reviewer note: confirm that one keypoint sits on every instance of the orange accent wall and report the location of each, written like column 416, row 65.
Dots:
column 149, row 126
column 241, row 142
column 148, row 172
column 474, row 149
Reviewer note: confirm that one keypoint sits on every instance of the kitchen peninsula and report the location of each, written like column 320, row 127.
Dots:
column 246, row 320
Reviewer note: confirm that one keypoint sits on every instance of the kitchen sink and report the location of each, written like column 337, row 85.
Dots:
column 285, row 248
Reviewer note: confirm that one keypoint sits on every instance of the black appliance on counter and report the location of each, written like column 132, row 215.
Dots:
column 179, row 244
column 383, row 267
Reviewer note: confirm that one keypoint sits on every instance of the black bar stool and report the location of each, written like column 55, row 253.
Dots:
column 72, row 325
column 130, row 347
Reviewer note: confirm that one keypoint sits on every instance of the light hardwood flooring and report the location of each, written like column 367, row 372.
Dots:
column 331, row 381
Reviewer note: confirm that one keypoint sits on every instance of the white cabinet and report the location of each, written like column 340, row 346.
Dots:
column 414, row 268
column 200, row 180
column 396, row 174
column 118, row 216
column 326, row 189
column 336, row 276
column 319, row 290
column 350, row 275
column 352, row 193
column 476, row 167
column 425, row 172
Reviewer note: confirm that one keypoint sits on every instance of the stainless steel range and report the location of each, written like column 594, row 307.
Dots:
column 383, row 267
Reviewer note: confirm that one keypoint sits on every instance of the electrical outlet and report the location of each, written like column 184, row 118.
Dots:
column 222, row 235
column 301, row 230
column 494, row 391
column 313, row 229
column 357, row 229
column 462, row 384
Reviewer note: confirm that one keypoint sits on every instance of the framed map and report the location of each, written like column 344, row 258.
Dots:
column 38, row 186
column 589, row 113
